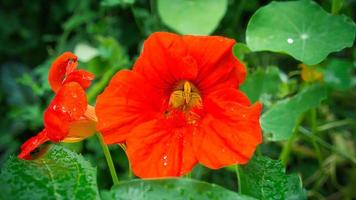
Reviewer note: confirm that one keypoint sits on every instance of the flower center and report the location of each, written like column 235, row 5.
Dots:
column 185, row 96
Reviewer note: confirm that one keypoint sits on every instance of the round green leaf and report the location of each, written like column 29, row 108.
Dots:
column 301, row 29
column 178, row 189
column 59, row 174
column 192, row 16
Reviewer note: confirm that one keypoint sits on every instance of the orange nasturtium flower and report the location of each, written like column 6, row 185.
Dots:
column 180, row 105
column 68, row 118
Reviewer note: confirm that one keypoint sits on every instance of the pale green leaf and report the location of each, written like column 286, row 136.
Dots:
column 200, row 17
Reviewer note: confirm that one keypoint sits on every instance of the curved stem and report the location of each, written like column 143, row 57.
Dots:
column 335, row 124
column 238, row 178
column 108, row 159
column 314, row 128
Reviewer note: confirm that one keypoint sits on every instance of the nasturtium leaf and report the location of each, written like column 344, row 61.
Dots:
column 262, row 82
column 263, row 178
column 338, row 74
column 200, row 17
column 240, row 50
column 58, row 174
column 301, row 29
column 295, row 190
column 178, row 189
column 280, row 120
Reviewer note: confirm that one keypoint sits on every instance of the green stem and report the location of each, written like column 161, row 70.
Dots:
column 335, row 124
column 108, row 159
column 306, row 132
column 336, row 6
column 314, row 128
column 287, row 149
column 238, row 178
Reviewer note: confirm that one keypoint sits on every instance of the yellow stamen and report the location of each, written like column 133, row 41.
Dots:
column 185, row 96
column 187, row 91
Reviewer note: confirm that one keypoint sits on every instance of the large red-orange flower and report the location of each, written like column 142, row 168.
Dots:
column 179, row 106
column 68, row 118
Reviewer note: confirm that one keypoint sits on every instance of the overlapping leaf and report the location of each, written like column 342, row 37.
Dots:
column 279, row 122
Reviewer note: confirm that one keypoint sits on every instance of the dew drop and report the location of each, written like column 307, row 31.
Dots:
column 290, row 41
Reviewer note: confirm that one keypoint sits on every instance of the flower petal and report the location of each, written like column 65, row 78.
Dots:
column 157, row 152
column 230, row 132
column 63, row 65
column 32, row 143
column 79, row 130
column 68, row 105
column 126, row 102
column 81, row 76
column 217, row 66
column 164, row 61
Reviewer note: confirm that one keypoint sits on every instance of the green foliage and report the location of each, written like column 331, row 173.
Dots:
column 279, row 121
column 262, row 84
column 107, row 36
column 179, row 189
column 301, row 29
column 59, row 174
column 192, row 17
column 264, row 178
column 338, row 74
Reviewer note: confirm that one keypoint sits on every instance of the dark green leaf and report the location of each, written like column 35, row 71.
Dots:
column 58, row 174
column 295, row 190
column 240, row 50
column 263, row 82
column 263, row 178
column 338, row 74
column 178, row 189
column 300, row 28
column 279, row 121
column 192, row 17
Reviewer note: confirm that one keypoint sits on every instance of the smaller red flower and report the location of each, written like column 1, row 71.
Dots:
column 68, row 118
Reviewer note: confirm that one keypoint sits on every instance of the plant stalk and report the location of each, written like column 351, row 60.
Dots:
column 238, row 178
column 108, row 159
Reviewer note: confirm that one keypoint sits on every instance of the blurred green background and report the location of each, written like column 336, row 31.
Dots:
column 107, row 36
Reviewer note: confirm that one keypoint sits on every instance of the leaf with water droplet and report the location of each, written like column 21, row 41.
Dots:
column 301, row 29
column 178, row 189
column 58, row 174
